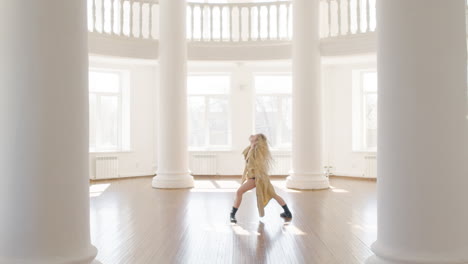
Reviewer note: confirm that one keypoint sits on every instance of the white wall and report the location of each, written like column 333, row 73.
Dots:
column 338, row 85
column 141, row 159
column 230, row 161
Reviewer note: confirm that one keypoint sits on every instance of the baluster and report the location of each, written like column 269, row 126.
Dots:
column 130, row 19
column 103, row 14
column 349, row 17
column 150, row 20
column 95, row 29
column 121, row 16
column 249, row 9
column 277, row 22
column 329, row 18
column 358, row 4
column 192, row 21
column 240, row 23
column 230, row 23
column 368, row 15
column 220, row 8
column 211, row 23
column 202, row 20
column 288, row 8
column 268, row 22
column 112, row 17
column 141, row 19
column 339, row 17
column 259, row 18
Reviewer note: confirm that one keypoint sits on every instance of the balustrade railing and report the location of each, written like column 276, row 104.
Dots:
column 239, row 22
column 229, row 22
column 347, row 17
column 125, row 18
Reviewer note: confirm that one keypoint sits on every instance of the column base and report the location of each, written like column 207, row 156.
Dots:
column 385, row 256
column 173, row 180
column 89, row 258
column 303, row 181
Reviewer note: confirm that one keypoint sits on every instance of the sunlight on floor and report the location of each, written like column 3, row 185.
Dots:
column 338, row 190
column 239, row 230
column 233, row 185
column 96, row 190
column 294, row 230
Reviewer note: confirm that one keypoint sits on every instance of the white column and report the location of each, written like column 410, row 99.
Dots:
column 422, row 166
column 173, row 169
column 44, row 187
column 307, row 164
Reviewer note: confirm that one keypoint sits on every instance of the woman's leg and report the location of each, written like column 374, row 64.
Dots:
column 287, row 213
column 280, row 200
column 247, row 186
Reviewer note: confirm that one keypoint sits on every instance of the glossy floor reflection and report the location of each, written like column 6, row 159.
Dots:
column 133, row 223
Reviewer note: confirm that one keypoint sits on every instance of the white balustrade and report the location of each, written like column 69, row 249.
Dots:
column 356, row 16
column 229, row 22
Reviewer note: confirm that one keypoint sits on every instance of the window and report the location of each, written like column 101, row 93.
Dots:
column 109, row 114
column 365, row 111
column 208, row 105
column 273, row 109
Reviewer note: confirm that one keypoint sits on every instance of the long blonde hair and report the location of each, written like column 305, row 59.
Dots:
column 261, row 155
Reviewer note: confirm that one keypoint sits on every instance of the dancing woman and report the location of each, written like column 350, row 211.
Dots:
column 258, row 162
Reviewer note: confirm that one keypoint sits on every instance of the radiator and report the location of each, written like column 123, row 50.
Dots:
column 107, row 167
column 371, row 167
column 281, row 164
column 204, row 164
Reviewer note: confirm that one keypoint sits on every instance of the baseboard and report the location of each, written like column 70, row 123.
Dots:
column 361, row 178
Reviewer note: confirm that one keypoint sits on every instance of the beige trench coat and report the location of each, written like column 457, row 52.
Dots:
column 264, row 189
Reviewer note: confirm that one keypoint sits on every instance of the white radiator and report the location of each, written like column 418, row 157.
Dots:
column 371, row 167
column 107, row 167
column 203, row 164
column 281, row 164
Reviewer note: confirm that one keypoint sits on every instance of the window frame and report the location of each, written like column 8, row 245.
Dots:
column 206, row 96
column 279, row 97
column 124, row 145
column 359, row 108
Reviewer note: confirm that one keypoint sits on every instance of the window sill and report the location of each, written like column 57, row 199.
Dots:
column 209, row 150
column 111, row 152
column 374, row 152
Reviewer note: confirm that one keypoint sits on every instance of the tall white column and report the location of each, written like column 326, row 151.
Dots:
column 173, row 169
column 44, row 193
column 307, row 164
column 422, row 166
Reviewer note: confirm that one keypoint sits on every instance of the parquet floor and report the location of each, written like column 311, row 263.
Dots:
column 133, row 223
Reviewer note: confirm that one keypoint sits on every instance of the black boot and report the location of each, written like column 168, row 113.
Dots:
column 287, row 213
column 233, row 215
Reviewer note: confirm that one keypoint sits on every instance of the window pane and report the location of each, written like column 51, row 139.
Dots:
column 369, row 81
column 92, row 121
column 286, row 126
column 199, row 84
column 266, row 117
column 196, row 106
column 218, row 121
column 104, row 82
column 371, row 120
column 273, row 84
column 109, row 122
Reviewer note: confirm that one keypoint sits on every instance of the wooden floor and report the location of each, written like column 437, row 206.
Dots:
column 133, row 223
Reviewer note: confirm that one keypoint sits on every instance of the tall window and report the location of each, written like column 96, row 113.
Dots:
column 109, row 114
column 208, row 105
column 273, row 109
column 365, row 111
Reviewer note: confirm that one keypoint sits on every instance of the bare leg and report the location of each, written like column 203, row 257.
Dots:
column 280, row 200
column 247, row 186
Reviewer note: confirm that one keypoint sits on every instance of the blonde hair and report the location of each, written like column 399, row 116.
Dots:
column 262, row 156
